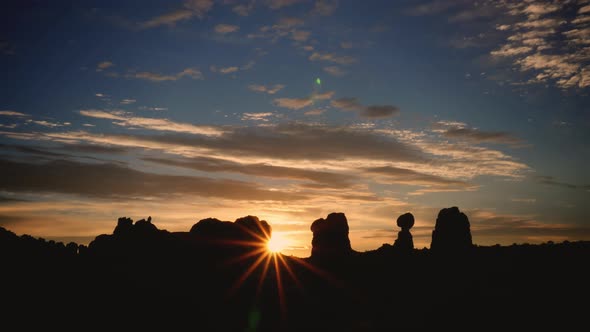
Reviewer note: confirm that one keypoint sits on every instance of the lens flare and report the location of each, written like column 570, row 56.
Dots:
column 277, row 243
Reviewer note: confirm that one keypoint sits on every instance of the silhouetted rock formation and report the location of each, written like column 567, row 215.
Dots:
column 211, row 227
column 404, row 240
column 255, row 228
column 451, row 232
column 141, row 277
column 213, row 231
column 330, row 237
column 129, row 238
column 124, row 226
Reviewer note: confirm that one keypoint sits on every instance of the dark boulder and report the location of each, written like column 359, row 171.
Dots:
column 330, row 236
column 451, row 232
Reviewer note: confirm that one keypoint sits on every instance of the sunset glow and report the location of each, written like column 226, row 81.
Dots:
column 291, row 110
column 277, row 243
column 295, row 165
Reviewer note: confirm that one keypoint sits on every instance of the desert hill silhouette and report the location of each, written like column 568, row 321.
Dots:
column 218, row 277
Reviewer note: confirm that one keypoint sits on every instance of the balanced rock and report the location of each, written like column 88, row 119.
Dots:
column 404, row 240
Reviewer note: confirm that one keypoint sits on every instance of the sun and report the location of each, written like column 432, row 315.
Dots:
column 276, row 243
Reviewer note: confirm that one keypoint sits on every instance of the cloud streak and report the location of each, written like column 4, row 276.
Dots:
column 330, row 57
column 340, row 149
column 370, row 112
column 226, row 28
column 13, row 114
column 270, row 89
column 119, row 181
column 460, row 131
column 328, row 179
column 192, row 73
column 192, row 8
column 128, row 120
column 299, row 103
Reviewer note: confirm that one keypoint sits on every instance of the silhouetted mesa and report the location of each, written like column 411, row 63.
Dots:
column 128, row 237
column 255, row 228
column 404, row 240
column 330, row 237
column 451, row 232
column 214, row 231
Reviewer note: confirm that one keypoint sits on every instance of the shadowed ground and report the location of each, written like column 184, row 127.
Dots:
column 219, row 277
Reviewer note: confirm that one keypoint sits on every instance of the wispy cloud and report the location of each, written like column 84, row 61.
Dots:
column 13, row 114
column 231, row 69
column 192, row 8
column 460, row 131
column 552, row 181
column 330, row 57
column 324, row 7
column 329, row 179
column 104, row 65
column 224, row 70
column 128, row 120
column 226, row 28
column 192, row 73
column 389, row 174
column 128, row 101
column 293, row 103
column 334, row 71
column 371, row 111
column 169, row 19
column 482, row 136
column 489, row 227
column 270, row 89
column 315, row 111
column 299, row 103
column 298, row 144
column 119, row 181
column 49, row 124
column 300, row 35
column 158, row 109
column 262, row 116
column 546, row 41
column 285, row 27
column 543, row 45
column 244, row 9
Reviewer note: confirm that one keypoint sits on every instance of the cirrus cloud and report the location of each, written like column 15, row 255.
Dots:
column 226, row 28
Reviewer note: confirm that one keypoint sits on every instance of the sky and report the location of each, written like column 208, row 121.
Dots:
column 292, row 109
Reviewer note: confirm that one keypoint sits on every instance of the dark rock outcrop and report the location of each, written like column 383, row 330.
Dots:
column 330, row 237
column 124, row 226
column 404, row 240
column 248, row 228
column 452, row 231
column 141, row 237
column 254, row 228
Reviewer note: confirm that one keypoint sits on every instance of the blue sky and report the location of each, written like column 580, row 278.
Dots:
column 185, row 110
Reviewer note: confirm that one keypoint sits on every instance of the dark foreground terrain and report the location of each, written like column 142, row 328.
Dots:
column 219, row 277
